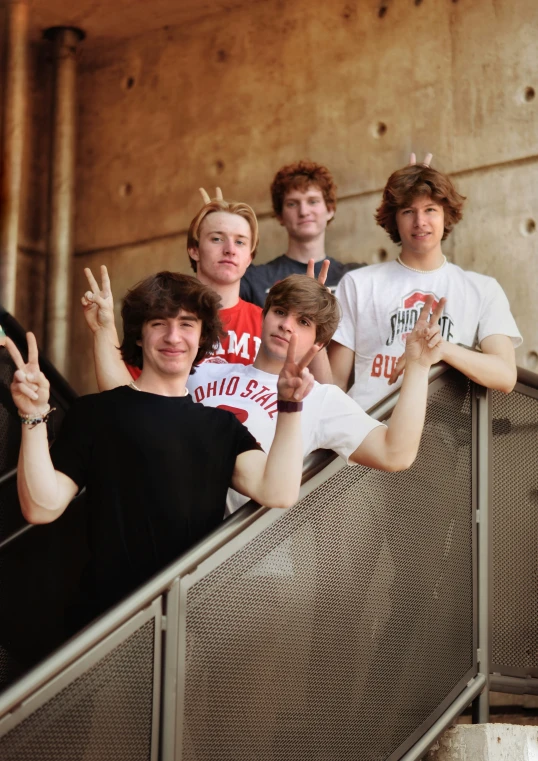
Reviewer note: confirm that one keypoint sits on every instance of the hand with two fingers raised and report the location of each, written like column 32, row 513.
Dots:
column 207, row 199
column 98, row 303
column 424, row 344
column 295, row 380
column 30, row 389
column 322, row 277
column 427, row 159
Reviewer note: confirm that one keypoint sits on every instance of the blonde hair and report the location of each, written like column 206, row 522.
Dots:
column 230, row 207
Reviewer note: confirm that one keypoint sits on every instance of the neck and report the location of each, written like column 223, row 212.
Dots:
column 229, row 292
column 430, row 261
column 154, row 383
column 266, row 363
column 304, row 250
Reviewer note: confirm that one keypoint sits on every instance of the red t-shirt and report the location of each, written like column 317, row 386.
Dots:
column 243, row 322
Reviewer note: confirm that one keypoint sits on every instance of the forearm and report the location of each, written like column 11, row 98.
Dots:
column 489, row 370
column 110, row 369
column 281, row 479
column 407, row 420
column 36, row 478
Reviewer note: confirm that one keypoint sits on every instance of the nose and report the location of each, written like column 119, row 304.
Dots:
column 230, row 247
column 420, row 218
column 286, row 323
column 173, row 334
column 303, row 209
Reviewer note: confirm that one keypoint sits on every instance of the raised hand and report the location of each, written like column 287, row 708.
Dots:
column 29, row 389
column 295, row 380
column 322, row 277
column 424, row 344
column 207, row 199
column 427, row 159
column 98, row 303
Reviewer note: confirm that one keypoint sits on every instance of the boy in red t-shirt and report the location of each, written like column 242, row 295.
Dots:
column 221, row 244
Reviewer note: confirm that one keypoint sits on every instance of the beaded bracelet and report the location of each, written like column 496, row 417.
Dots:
column 31, row 420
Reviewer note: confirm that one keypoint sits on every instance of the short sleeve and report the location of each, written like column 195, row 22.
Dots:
column 244, row 440
column 71, row 451
column 496, row 316
column 346, row 293
column 343, row 424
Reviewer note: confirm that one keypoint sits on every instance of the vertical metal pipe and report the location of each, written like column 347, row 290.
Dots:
column 61, row 195
column 483, row 396
column 14, row 106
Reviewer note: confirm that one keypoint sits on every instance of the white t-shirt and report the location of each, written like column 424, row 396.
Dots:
column 381, row 303
column 330, row 419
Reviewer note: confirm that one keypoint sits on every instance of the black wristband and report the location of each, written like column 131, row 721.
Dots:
column 283, row 406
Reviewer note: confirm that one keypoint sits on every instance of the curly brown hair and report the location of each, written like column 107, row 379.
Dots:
column 230, row 207
column 406, row 184
column 299, row 176
column 309, row 299
column 163, row 295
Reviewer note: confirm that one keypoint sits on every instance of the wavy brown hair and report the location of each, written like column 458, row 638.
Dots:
column 309, row 299
column 299, row 176
column 163, row 295
column 410, row 182
column 230, row 207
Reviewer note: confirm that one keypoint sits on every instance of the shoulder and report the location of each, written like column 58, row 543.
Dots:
column 214, row 370
column 262, row 270
column 249, row 308
column 484, row 284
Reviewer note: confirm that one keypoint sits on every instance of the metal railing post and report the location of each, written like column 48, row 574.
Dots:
column 483, row 464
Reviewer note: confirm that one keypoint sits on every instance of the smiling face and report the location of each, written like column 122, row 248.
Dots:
column 421, row 227
column 170, row 344
column 224, row 250
column 305, row 214
column 278, row 326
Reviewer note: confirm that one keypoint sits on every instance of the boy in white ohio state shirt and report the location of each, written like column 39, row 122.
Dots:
column 381, row 303
column 331, row 420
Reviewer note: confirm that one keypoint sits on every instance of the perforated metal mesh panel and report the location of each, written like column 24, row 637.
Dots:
column 102, row 715
column 515, row 534
column 339, row 629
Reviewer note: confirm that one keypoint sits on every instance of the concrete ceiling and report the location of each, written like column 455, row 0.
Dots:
column 103, row 20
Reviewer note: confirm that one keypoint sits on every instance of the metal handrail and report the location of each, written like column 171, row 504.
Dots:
column 111, row 620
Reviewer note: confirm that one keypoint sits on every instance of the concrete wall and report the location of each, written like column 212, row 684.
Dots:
column 355, row 85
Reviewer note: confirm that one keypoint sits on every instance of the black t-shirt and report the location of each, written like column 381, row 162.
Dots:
column 156, row 471
column 257, row 280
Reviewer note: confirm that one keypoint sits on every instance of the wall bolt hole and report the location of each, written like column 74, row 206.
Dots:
column 126, row 189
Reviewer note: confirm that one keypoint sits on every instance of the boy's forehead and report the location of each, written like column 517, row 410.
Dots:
column 224, row 221
column 420, row 200
column 181, row 314
column 304, row 188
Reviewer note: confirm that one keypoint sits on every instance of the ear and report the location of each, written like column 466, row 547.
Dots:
column 331, row 214
column 194, row 253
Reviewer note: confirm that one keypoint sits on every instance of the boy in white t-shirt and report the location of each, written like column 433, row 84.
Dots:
column 301, row 305
column 381, row 303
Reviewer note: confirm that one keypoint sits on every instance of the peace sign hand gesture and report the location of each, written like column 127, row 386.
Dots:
column 295, row 380
column 322, row 277
column 98, row 303
column 207, row 199
column 29, row 389
column 424, row 344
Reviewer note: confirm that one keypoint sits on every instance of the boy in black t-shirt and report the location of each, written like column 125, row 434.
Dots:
column 156, row 466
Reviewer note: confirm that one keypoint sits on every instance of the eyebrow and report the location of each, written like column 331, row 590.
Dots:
column 219, row 232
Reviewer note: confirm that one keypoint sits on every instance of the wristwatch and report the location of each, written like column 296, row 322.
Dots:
column 283, row 406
